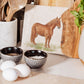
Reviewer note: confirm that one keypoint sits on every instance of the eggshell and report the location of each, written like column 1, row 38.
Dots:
column 10, row 74
column 23, row 70
column 1, row 61
column 7, row 64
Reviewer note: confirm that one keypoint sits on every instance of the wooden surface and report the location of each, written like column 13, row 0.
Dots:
column 61, row 3
column 70, row 34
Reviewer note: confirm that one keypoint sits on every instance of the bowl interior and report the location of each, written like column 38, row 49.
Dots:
column 12, row 51
column 32, row 53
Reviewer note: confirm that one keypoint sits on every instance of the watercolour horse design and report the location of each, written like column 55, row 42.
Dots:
column 44, row 30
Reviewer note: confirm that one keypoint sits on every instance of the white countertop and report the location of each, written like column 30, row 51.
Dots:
column 63, row 66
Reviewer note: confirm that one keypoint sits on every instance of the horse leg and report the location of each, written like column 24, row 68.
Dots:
column 46, row 39
column 34, row 39
column 49, row 42
column 33, row 34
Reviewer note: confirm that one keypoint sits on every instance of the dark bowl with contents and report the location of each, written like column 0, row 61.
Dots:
column 11, row 53
column 35, row 58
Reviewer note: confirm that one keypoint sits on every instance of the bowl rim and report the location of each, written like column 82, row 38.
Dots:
column 35, row 58
column 10, row 55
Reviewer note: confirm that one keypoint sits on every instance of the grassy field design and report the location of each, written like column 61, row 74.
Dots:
column 41, row 46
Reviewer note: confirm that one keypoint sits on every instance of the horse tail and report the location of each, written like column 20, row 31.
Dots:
column 33, row 33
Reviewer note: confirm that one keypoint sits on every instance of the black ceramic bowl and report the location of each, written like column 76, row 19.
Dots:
column 11, row 53
column 35, row 58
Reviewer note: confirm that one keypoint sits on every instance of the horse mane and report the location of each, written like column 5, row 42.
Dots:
column 52, row 22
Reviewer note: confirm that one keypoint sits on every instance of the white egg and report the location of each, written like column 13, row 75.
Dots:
column 7, row 64
column 1, row 61
column 23, row 70
column 10, row 74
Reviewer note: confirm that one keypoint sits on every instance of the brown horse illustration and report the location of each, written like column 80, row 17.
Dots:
column 44, row 30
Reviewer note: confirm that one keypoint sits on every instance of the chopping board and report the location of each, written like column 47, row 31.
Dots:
column 43, row 78
column 59, row 3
